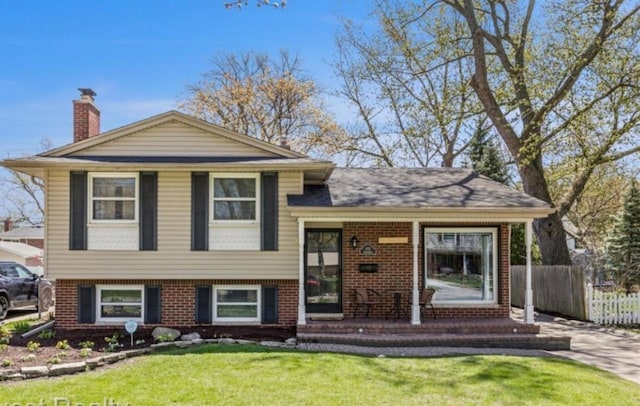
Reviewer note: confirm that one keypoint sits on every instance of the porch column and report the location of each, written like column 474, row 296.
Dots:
column 528, row 290
column 302, row 312
column 415, row 307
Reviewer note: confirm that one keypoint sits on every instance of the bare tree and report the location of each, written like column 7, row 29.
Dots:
column 269, row 99
column 24, row 195
column 563, row 88
column 412, row 99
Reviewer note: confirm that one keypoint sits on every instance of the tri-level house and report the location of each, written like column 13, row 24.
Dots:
column 175, row 221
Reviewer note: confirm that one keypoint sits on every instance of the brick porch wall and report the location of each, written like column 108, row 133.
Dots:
column 395, row 267
column 178, row 299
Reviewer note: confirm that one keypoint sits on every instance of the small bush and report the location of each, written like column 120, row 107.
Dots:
column 139, row 341
column 7, row 363
column 5, row 334
column 33, row 346
column 85, row 352
column 87, row 344
column 3, row 347
column 54, row 360
column 20, row 327
column 63, row 345
column 62, row 354
column 28, row 358
column 165, row 338
column 113, row 343
column 46, row 334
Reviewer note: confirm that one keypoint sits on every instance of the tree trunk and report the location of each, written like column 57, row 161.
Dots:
column 549, row 231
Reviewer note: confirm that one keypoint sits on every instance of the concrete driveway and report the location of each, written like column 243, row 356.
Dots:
column 614, row 350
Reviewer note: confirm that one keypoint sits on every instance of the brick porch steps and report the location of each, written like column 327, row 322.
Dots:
column 475, row 333
column 518, row 340
column 430, row 326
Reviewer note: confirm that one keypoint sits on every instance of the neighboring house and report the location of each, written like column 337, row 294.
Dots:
column 175, row 221
column 30, row 235
column 24, row 254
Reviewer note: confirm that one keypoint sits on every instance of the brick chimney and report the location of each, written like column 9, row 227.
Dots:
column 86, row 116
column 8, row 225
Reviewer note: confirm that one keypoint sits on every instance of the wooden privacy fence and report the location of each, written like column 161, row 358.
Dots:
column 557, row 289
column 613, row 307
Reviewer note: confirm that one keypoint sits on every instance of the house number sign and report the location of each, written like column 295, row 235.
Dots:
column 131, row 326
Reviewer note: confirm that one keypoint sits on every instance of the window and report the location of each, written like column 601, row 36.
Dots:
column 235, row 197
column 113, row 197
column 461, row 264
column 119, row 303
column 236, row 303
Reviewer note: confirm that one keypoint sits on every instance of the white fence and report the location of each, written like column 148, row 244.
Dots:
column 613, row 307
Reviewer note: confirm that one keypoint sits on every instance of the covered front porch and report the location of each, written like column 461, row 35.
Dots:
column 467, row 263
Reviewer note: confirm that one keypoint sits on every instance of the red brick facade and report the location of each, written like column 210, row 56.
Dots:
column 395, row 267
column 395, row 272
column 178, row 299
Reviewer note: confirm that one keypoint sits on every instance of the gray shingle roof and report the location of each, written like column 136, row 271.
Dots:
column 412, row 188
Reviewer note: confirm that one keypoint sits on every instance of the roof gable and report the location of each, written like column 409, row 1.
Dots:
column 172, row 134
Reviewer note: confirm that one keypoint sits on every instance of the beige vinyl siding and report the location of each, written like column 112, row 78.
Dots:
column 174, row 258
column 173, row 139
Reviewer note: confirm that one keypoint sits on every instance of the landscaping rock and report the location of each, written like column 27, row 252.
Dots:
column 94, row 363
column 291, row 341
column 163, row 345
column 65, row 369
column 274, row 344
column 244, row 342
column 165, row 331
column 226, row 341
column 34, row 372
column 111, row 358
column 190, row 337
column 211, row 341
column 14, row 377
column 135, row 353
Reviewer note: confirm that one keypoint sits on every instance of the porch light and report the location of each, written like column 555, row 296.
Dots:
column 354, row 242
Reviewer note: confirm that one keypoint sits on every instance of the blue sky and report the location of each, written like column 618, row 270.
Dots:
column 138, row 56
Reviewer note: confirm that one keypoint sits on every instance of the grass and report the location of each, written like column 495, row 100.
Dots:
column 254, row 375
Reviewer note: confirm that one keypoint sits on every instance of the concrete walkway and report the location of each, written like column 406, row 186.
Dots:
column 614, row 350
column 617, row 351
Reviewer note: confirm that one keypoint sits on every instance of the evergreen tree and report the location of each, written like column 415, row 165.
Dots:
column 623, row 244
column 486, row 157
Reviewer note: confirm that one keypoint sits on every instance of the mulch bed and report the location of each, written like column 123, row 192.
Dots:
column 17, row 355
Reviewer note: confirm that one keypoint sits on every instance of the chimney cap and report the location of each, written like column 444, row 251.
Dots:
column 85, row 91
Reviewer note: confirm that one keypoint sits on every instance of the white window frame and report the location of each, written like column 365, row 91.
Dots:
column 119, row 320
column 258, row 303
column 212, row 198
column 136, row 198
column 461, row 230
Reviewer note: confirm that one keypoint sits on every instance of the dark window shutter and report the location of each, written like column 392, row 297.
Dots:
column 153, row 305
column 78, row 211
column 86, row 304
column 269, row 304
column 203, row 304
column 199, row 211
column 148, row 211
column 269, row 220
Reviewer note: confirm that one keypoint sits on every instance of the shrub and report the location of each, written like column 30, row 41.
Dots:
column 54, row 360
column 46, row 334
column 165, row 338
column 33, row 346
column 87, row 344
column 85, row 352
column 28, row 358
column 7, row 363
column 113, row 343
column 20, row 327
column 5, row 335
column 63, row 345
column 3, row 347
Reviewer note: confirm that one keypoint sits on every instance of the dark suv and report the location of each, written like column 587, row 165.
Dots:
column 19, row 288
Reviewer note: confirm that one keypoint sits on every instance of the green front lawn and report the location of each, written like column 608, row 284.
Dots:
column 253, row 375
